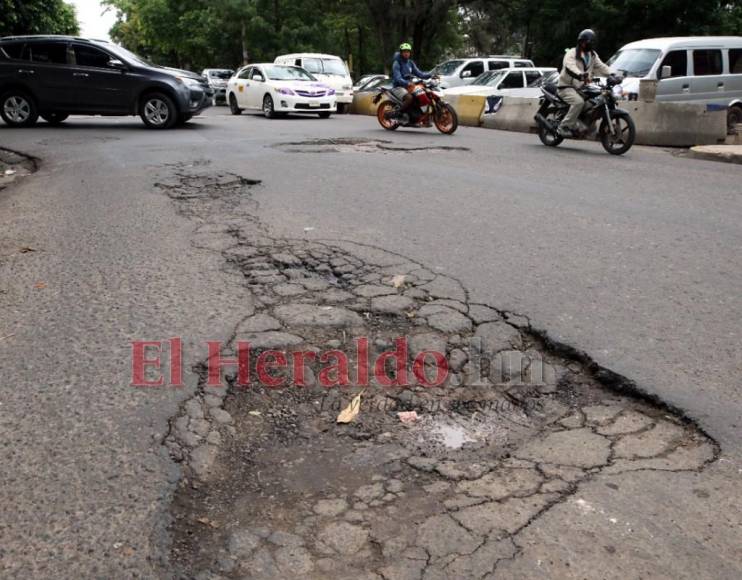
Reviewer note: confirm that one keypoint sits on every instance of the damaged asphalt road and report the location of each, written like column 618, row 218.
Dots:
column 575, row 478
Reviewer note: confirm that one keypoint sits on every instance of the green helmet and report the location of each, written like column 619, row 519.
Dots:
column 405, row 46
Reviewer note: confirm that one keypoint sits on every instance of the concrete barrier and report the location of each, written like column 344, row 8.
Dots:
column 665, row 124
column 512, row 114
column 363, row 104
column 469, row 109
column 677, row 124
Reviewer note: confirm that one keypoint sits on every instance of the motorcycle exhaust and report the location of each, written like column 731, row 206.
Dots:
column 544, row 123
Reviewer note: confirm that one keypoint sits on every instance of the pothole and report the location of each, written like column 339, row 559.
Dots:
column 358, row 145
column 427, row 481
column 14, row 165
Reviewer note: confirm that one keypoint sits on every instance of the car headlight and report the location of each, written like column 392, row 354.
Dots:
column 285, row 91
column 331, row 92
column 347, row 87
column 189, row 82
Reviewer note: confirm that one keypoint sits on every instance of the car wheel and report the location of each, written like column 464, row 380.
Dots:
column 268, row 109
column 18, row 109
column 158, row 111
column 342, row 108
column 233, row 108
column 55, row 118
column 325, row 115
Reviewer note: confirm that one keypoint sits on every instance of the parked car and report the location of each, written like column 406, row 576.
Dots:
column 329, row 69
column 463, row 71
column 365, row 79
column 515, row 82
column 217, row 79
column 56, row 76
column 700, row 69
column 375, row 84
column 278, row 89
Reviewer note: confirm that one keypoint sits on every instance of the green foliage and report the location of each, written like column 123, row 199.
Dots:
column 202, row 33
column 214, row 33
column 37, row 17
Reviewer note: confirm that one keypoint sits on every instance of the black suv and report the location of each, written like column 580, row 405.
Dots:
column 56, row 76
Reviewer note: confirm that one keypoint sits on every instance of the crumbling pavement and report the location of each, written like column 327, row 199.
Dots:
column 273, row 488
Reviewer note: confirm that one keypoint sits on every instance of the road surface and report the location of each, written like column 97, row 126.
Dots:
column 634, row 260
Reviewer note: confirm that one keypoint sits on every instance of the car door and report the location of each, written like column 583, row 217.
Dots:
column 677, row 86
column 513, row 80
column 471, row 71
column 101, row 86
column 239, row 84
column 46, row 72
column 707, row 82
column 532, row 77
column 255, row 88
column 734, row 79
column 497, row 64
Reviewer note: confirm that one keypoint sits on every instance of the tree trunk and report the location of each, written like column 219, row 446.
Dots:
column 243, row 35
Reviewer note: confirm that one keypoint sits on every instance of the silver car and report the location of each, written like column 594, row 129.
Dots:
column 217, row 79
column 463, row 71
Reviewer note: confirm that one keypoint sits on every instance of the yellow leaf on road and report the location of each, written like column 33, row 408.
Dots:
column 351, row 411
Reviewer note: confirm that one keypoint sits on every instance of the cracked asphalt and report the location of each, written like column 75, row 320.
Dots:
column 125, row 234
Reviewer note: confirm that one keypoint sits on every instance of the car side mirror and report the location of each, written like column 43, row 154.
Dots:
column 258, row 78
column 666, row 72
column 117, row 64
column 466, row 74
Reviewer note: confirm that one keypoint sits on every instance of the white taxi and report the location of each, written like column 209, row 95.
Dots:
column 277, row 89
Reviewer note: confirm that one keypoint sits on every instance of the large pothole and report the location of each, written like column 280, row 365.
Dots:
column 273, row 487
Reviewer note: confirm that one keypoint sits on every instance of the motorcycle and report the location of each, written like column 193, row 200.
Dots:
column 428, row 106
column 617, row 131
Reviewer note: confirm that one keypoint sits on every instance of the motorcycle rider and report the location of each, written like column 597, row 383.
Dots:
column 580, row 63
column 403, row 69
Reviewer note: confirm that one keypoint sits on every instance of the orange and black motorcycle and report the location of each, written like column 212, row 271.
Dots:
column 429, row 107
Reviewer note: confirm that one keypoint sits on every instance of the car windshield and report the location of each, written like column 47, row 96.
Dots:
column 548, row 79
column 447, row 68
column 127, row 54
column 488, row 79
column 327, row 66
column 221, row 74
column 288, row 73
column 635, row 62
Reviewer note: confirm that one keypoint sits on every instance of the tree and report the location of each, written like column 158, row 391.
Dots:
column 37, row 17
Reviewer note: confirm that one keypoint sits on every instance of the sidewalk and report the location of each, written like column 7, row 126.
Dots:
column 725, row 153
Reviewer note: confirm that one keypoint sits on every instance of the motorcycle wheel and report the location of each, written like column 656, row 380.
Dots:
column 624, row 137
column 388, row 124
column 550, row 138
column 445, row 118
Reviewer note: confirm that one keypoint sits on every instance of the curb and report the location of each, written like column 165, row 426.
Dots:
column 721, row 153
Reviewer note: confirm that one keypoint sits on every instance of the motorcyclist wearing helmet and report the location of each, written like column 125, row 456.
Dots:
column 403, row 70
column 579, row 65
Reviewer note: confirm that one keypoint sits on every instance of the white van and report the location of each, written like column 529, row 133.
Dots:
column 702, row 69
column 330, row 69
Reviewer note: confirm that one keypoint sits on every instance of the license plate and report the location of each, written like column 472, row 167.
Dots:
column 314, row 105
